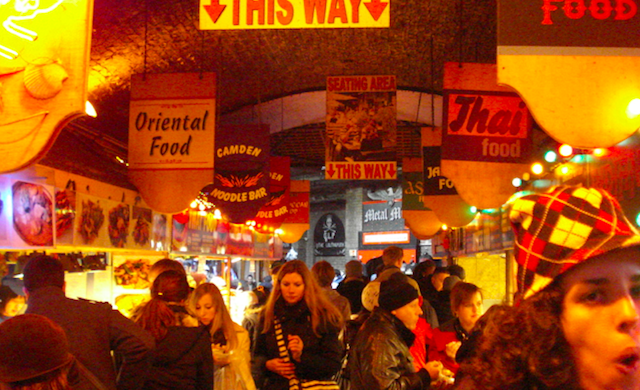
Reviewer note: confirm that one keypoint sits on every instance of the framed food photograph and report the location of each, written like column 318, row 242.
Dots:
column 32, row 207
column 141, row 225
column 90, row 223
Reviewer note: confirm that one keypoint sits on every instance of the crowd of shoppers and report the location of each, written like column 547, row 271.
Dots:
column 575, row 326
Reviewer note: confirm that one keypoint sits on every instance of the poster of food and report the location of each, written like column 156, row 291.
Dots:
column 132, row 273
column 5, row 201
column 119, row 221
column 141, row 219
column 90, row 224
column 160, row 228
column 33, row 214
column 65, row 207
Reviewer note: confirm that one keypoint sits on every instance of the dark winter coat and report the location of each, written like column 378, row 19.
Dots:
column 94, row 329
column 379, row 358
column 321, row 356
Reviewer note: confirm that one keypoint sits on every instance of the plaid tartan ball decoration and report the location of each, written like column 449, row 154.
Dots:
column 557, row 230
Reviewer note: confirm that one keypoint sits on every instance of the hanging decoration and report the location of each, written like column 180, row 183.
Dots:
column 296, row 222
column 486, row 137
column 241, row 185
column 44, row 52
column 576, row 64
column 440, row 194
column 360, row 135
column 171, row 137
column 275, row 210
column 421, row 220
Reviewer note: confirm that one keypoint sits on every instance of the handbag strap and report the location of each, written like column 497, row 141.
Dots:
column 294, row 383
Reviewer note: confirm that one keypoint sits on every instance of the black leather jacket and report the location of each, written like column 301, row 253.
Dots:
column 379, row 359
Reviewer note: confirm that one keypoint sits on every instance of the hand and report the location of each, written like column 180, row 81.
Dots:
column 433, row 368
column 295, row 347
column 280, row 367
column 452, row 348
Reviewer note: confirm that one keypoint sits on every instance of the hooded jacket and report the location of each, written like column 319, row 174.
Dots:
column 379, row 358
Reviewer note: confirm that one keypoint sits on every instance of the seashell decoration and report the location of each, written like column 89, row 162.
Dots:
column 44, row 81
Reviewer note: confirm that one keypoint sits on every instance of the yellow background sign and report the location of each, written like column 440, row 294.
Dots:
column 361, row 170
column 289, row 14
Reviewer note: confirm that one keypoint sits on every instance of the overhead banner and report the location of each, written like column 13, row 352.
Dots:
column 296, row 222
column 44, row 53
column 241, row 185
column 439, row 192
column 421, row 220
column 276, row 208
column 171, row 137
column 486, row 138
column 360, row 136
column 292, row 14
column 576, row 64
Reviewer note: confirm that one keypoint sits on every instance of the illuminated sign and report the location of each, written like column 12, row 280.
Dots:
column 289, row 14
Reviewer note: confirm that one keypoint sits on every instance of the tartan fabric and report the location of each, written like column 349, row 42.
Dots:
column 556, row 230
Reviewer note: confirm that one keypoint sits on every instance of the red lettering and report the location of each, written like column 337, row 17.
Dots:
column 313, row 6
column 599, row 9
column 355, row 8
column 337, row 10
column 253, row 6
column 286, row 15
column 236, row 12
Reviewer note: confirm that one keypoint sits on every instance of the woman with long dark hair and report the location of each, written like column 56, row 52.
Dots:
column 307, row 325
column 182, row 358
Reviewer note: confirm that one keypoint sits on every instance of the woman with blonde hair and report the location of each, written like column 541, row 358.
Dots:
column 300, row 318
column 229, row 341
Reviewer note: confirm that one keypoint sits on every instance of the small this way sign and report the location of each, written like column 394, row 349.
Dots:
column 293, row 14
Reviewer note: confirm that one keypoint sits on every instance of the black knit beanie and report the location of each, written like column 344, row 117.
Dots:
column 396, row 292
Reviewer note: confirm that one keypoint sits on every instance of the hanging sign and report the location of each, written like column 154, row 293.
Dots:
column 361, row 130
column 576, row 64
column 440, row 194
column 171, row 137
column 421, row 220
column 241, row 185
column 486, row 139
column 296, row 222
column 44, row 52
column 329, row 236
column 293, row 14
column 276, row 208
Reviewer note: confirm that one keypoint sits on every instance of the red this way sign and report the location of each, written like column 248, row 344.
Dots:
column 370, row 170
column 293, row 14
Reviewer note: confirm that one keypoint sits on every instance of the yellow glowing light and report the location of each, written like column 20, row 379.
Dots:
column 279, row 231
column 89, row 109
column 599, row 152
column 202, row 213
column 444, row 227
column 537, row 168
column 202, row 207
column 194, row 204
column 217, row 214
column 24, row 7
column 633, row 109
column 564, row 169
column 565, row 150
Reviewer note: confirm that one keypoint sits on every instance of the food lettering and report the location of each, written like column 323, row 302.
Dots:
column 599, row 9
column 480, row 120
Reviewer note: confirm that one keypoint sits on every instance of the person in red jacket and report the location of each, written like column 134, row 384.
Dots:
column 466, row 305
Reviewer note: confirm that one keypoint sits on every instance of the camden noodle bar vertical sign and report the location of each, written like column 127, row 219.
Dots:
column 171, row 137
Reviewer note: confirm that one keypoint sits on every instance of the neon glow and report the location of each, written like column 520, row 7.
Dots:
column 565, row 150
column 537, row 168
column 633, row 109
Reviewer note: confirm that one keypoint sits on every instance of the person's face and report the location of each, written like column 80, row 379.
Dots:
column 409, row 314
column 205, row 309
column 600, row 321
column 438, row 280
column 13, row 307
column 470, row 311
column 292, row 287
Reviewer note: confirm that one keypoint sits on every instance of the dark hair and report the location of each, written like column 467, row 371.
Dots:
column 424, row 269
column 156, row 316
column 457, row 270
column 526, row 349
column 43, row 271
column 323, row 272
column 461, row 293
column 165, row 265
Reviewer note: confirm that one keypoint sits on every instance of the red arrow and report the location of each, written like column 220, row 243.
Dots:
column 330, row 170
column 392, row 171
column 376, row 8
column 215, row 10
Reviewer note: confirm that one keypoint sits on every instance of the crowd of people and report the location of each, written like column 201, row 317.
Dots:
column 575, row 323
